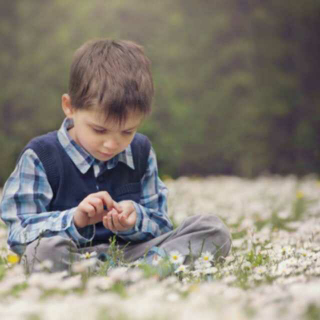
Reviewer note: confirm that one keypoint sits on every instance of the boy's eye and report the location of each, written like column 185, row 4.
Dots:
column 128, row 133
column 98, row 130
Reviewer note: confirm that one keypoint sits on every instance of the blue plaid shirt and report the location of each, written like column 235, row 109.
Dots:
column 27, row 194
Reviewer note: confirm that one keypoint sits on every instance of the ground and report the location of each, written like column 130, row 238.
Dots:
column 272, row 271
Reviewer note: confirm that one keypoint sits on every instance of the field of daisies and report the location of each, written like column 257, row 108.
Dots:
column 272, row 271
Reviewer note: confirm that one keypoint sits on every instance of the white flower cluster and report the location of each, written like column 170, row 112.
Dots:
column 272, row 271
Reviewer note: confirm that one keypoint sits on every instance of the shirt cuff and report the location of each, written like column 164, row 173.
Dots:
column 80, row 235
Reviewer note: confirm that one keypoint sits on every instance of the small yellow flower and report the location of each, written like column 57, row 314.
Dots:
column 299, row 194
column 88, row 255
column 13, row 258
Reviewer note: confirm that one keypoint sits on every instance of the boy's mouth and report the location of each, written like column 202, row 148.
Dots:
column 106, row 154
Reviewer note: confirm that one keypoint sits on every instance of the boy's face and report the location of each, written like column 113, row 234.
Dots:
column 102, row 139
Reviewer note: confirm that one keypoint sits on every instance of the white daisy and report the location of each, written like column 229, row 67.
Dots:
column 176, row 257
column 207, row 256
column 182, row 269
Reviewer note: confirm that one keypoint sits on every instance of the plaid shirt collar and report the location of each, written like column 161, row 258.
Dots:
column 82, row 159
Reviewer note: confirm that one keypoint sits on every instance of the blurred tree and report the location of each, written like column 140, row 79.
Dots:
column 236, row 81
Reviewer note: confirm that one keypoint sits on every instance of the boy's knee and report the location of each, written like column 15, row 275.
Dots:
column 213, row 230
column 53, row 249
column 218, row 233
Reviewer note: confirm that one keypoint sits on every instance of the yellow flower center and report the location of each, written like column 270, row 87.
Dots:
column 13, row 258
column 299, row 195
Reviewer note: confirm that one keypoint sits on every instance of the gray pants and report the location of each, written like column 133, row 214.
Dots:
column 200, row 232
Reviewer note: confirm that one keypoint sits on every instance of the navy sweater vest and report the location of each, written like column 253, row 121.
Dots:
column 70, row 186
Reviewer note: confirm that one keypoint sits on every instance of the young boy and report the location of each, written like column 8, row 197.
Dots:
column 74, row 189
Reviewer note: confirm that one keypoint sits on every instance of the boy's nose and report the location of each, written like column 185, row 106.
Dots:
column 111, row 144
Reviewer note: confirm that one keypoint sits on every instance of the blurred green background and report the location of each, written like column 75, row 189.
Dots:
column 237, row 82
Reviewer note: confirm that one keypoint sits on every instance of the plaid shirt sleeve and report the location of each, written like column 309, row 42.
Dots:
column 152, row 216
column 23, row 207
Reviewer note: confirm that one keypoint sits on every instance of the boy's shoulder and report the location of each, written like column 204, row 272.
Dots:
column 43, row 144
column 44, row 139
column 141, row 140
column 140, row 147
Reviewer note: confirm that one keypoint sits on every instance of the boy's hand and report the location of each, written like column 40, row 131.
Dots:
column 121, row 221
column 91, row 210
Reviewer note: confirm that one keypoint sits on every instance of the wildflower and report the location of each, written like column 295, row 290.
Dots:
column 136, row 263
column 173, row 297
column 229, row 259
column 84, row 265
column 119, row 274
column 196, row 273
column 176, row 257
column 299, row 194
column 71, row 283
column 268, row 246
column 211, row 270
column 246, row 266
column 256, row 239
column 200, row 264
column 135, row 275
column 257, row 277
column 237, row 243
column 229, row 279
column 47, row 281
column 207, row 256
column 89, row 255
column 102, row 283
column 156, row 259
column 13, row 258
column 284, row 214
column 45, row 265
column 287, row 250
column 260, row 270
column 284, row 268
column 182, row 269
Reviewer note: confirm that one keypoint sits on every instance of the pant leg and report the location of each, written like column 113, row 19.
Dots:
column 200, row 233
column 62, row 252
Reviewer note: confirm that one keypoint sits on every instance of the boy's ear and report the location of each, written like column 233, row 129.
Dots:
column 66, row 105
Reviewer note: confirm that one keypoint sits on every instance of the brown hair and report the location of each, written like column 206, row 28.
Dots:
column 114, row 76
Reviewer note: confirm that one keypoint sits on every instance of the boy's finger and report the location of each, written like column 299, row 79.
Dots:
column 127, row 214
column 105, row 222
column 117, row 224
column 117, row 206
column 98, row 204
column 88, row 208
column 123, row 219
column 109, row 222
column 106, row 198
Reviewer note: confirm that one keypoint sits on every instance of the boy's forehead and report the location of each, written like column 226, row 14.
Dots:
column 99, row 118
